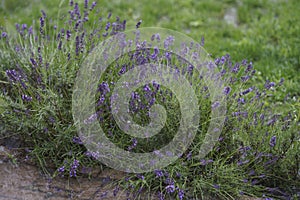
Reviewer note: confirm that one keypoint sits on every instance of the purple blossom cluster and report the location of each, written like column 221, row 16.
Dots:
column 73, row 168
column 251, row 141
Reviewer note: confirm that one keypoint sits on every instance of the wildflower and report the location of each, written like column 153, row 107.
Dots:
column 140, row 176
column 68, row 34
column 227, row 90
column 216, row 186
column 222, row 60
column 180, row 194
column 86, row 3
column 24, row 26
column 281, row 81
column 116, row 190
column 202, row 41
column 236, row 68
column 13, row 75
column 245, row 78
column 73, row 168
column 241, row 100
column 92, row 154
column 30, row 31
column 158, row 173
column 170, row 188
column 242, row 162
column 155, row 53
column 18, row 27
column 217, row 61
column 109, row 15
column 42, row 22
column 273, row 141
column 160, row 196
column 77, row 43
column 205, row 162
column 138, row 24
column 4, row 34
column 249, row 67
column 26, row 98
column 107, row 26
column 168, row 41
column 93, row 5
column 77, row 140
column 269, row 84
column 44, row 14
column 134, row 143
column 61, row 170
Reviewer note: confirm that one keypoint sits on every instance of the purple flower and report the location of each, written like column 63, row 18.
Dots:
column 73, row 168
column 93, row 5
column 92, row 154
column 205, row 162
column 68, row 34
column 77, row 43
column 273, row 141
column 217, row 61
column 109, row 15
column 170, row 188
column 249, row 67
column 269, row 84
column 44, row 14
column 103, row 88
column 18, row 27
column 222, row 60
column 236, row 68
column 116, row 190
column 13, row 75
column 77, row 140
column 160, row 196
column 42, row 22
column 155, row 53
column 107, row 26
column 202, row 41
column 24, row 26
column 147, row 88
column 227, row 90
column 61, row 170
column 138, row 24
column 26, row 98
column 216, row 186
column 86, row 3
column 241, row 100
column 134, row 143
column 242, row 162
column 140, row 176
column 281, row 81
column 158, row 173
column 180, row 194
column 168, row 41
column 4, row 34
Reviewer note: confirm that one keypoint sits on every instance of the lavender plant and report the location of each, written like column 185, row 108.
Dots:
column 38, row 68
column 257, row 152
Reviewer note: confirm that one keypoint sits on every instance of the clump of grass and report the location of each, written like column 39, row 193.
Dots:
column 257, row 148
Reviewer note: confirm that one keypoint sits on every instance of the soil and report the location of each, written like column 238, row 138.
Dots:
column 21, row 180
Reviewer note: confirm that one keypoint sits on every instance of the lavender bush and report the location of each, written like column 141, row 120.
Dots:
column 257, row 153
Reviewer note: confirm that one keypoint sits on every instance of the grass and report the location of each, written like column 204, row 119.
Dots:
column 267, row 34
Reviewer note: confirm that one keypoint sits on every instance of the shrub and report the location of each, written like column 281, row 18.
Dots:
column 257, row 147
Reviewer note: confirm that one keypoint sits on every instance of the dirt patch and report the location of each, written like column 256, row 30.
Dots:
column 23, row 181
